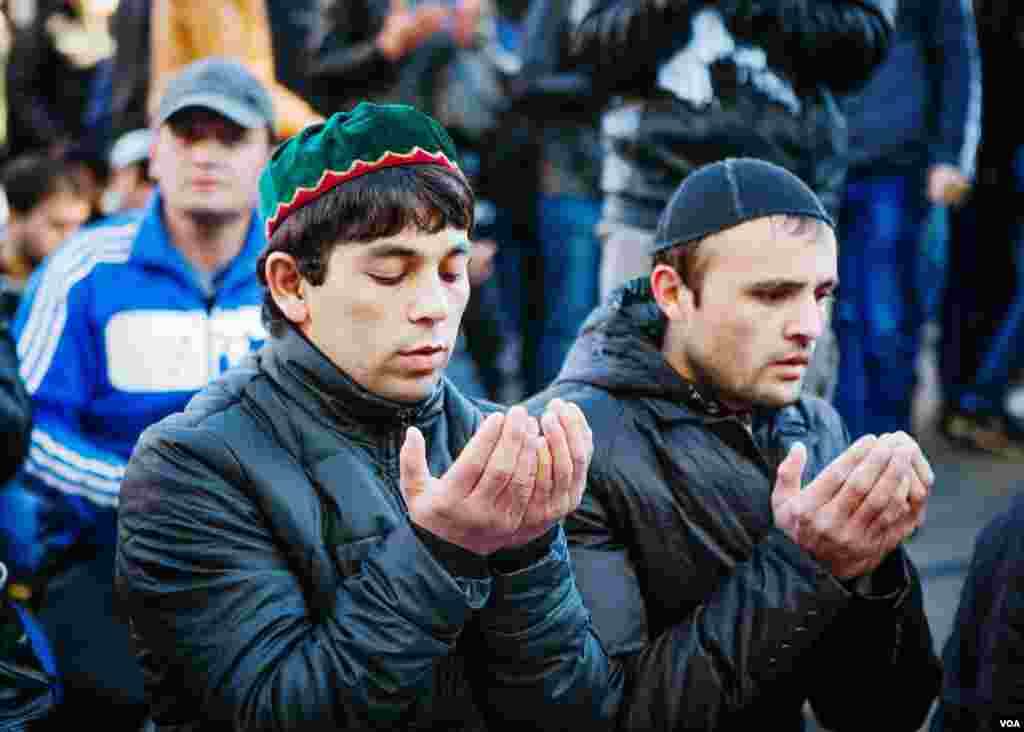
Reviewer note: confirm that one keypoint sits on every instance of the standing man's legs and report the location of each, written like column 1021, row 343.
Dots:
column 978, row 291
column 879, row 314
column 624, row 254
column 570, row 260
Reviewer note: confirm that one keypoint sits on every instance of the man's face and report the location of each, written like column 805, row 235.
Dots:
column 207, row 165
column 40, row 231
column 389, row 311
column 763, row 302
column 127, row 189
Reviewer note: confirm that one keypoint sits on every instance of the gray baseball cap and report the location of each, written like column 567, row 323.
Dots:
column 222, row 85
column 130, row 148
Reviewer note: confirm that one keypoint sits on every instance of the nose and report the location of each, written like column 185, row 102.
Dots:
column 431, row 302
column 808, row 322
column 202, row 151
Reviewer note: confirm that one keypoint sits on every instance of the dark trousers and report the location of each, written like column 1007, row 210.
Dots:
column 91, row 641
column 983, row 238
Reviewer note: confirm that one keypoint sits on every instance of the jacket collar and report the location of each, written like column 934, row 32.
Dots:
column 153, row 248
column 295, row 359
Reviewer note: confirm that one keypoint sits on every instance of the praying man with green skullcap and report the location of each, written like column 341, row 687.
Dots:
column 331, row 536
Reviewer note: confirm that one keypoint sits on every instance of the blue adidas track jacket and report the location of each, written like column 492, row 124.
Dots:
column 114, row 332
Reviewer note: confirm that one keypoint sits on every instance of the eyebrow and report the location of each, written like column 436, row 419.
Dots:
column 791, row 284
column 386, row 251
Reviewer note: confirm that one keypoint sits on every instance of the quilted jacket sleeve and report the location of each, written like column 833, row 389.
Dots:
column 546, row 669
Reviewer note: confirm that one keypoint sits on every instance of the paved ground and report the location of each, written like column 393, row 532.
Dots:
column 969, row 490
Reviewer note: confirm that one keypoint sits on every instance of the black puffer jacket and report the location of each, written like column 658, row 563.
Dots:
column 15, row 408
column 719, row 620
column 702, row 81
column 983, row 682
column 274, row 580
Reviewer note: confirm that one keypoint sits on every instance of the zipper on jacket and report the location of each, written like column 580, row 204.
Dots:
column 406, row 418
column 752, row 449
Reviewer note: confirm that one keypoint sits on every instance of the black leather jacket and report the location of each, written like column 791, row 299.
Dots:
column 274, row 581
column 700, row 81
column 718, row 619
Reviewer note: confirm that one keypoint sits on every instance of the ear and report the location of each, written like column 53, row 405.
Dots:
column 287, row 287
column 672, row 295
column 155, row 156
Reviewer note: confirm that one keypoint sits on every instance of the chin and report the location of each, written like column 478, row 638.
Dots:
column 781, row 395
column 413, row 389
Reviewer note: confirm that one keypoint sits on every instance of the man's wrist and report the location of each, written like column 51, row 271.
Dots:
column 459, row 561
column 514, row 559
column 888, row 579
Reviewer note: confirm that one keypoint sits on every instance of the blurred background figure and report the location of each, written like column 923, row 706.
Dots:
column 982, row 325
column 547, row 180
column 130, row 69
column 130, row 184
column 361, row 49
column 983, row 660
column 49, row 75
column 15, row 409
column 914, row 133
column 45, row 206
column 183, row 31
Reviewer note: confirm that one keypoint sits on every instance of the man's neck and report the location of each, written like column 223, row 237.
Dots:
column 208, row 243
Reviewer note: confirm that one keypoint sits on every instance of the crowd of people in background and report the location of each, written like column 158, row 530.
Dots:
column 133, row 137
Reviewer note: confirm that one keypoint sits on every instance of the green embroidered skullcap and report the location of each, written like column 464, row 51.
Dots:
column 369, row 138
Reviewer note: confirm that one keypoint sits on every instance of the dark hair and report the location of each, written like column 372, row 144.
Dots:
column 376, row 205
column 30, row 179
column 684, row 259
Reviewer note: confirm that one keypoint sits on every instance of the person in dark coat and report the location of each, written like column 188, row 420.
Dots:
column 983, row 677
column 914, row 132
column 15, row 407
column 48, row 81
column 727, row 593
column 332, row 536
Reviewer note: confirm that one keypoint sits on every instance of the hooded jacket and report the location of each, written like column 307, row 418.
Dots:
column 700, row 81
column 716, row 618
column 275, row 582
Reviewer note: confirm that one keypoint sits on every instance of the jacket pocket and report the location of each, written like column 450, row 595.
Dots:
column 349, row 557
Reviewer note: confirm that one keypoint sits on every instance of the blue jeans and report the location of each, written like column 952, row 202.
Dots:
column 549, row 282
column 880, row 309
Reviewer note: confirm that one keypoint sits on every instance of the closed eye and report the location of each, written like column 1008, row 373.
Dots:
column 773, row 296
column 387, row 281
